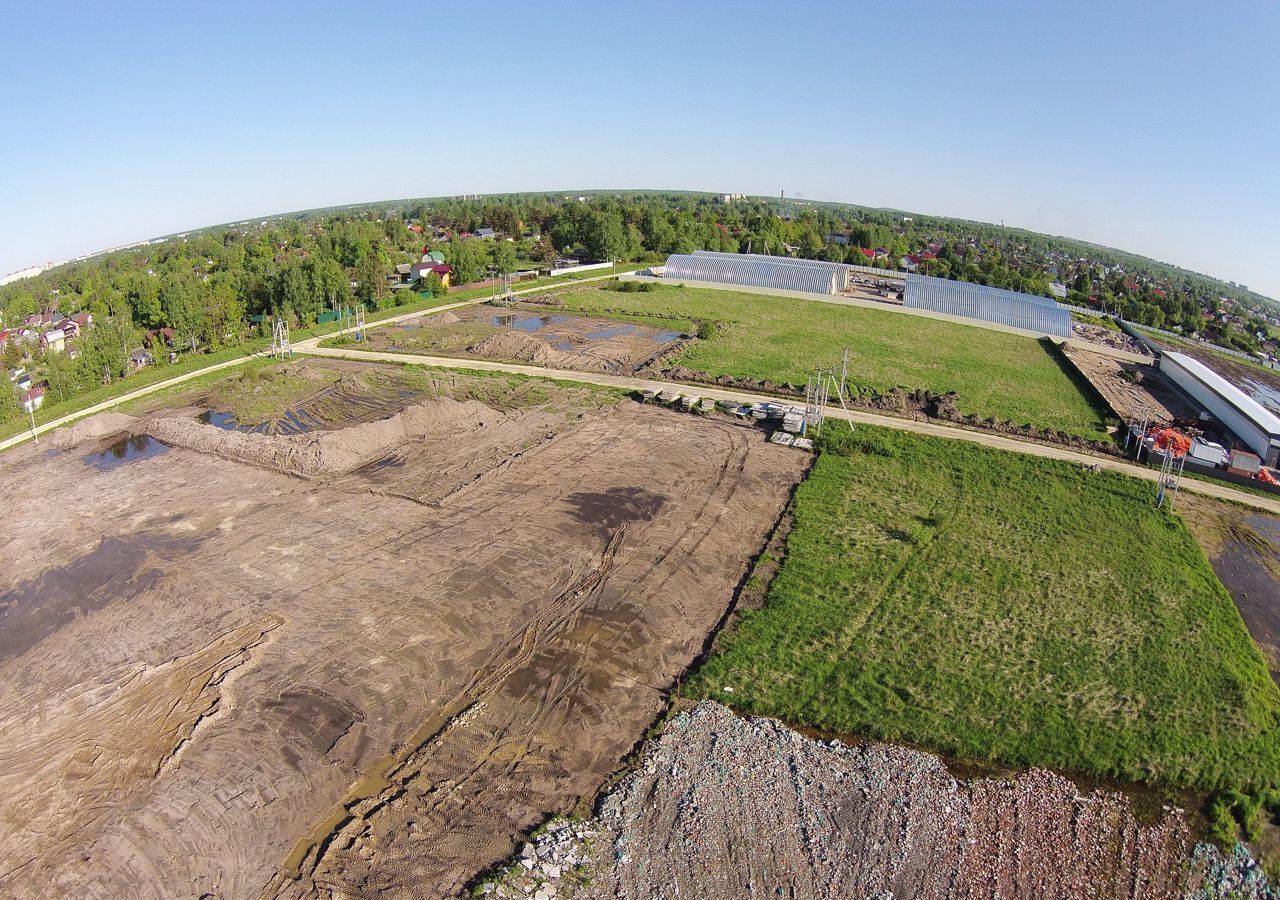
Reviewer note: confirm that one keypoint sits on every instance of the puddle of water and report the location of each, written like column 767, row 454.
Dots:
column 589, row 330
column 128, row 449
column 224, row 420
column 115, row 570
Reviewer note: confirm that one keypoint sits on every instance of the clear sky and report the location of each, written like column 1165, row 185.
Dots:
column 1151, row 127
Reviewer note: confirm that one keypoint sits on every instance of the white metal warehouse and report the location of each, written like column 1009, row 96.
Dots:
column 987, row 304
column 1255, row 425
column 777, row 272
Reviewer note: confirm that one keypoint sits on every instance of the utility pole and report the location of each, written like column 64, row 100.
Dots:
column 31, row 411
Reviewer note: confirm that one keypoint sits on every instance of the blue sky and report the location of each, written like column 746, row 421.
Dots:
column 1152, row 127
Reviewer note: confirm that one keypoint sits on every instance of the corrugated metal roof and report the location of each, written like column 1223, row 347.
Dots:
column 987, row 304
column 1264, row 418
column 755, row 271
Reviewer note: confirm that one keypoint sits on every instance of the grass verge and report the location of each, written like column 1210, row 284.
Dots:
column 784, row 339
column 994, row 606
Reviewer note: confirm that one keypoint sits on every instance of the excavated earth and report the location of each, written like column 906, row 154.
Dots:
column 722, row 808
column 220, row 679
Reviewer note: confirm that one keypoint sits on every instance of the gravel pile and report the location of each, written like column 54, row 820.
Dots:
column 725, row 807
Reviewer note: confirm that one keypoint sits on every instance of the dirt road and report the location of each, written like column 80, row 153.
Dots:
column 112, row 403
column 1000, row 442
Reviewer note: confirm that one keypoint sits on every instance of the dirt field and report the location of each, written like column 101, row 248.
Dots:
column 527, row 334
column 724, row 808
column 1132, row 390
column 1244, row 548
column 221, row 680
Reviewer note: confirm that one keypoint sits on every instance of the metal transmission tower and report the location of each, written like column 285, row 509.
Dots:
column 1137, row 432
column 1174, row 445
column 816, row 392
column 280, row 346
column 360, row 323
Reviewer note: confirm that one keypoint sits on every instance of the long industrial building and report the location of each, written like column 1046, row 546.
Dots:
column 777, row 272
column 987, row 304
column 1028, row 312
column 1255, row 425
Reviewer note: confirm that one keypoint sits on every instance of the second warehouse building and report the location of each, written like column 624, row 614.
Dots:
column 1256, row 426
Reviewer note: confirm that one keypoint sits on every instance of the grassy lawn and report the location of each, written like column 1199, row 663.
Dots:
column 994, row 606
column 783, row 339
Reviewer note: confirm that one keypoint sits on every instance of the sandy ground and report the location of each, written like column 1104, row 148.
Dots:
column 220, row 680
column 724, row 808
column 1150, row 395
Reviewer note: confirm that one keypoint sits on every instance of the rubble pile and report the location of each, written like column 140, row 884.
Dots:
column 725, row 807
column 1107, row 337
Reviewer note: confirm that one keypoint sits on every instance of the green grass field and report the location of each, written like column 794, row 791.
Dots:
column 783, row 339
column 993, row 606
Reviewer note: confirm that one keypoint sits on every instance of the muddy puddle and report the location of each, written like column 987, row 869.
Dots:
column 126, row 450
column 118, row 569
column 582, row 330
column 606, row 511
column 1249, row 568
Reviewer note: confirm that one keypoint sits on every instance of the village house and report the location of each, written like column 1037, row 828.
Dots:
column 32, row 399
column 53, row 340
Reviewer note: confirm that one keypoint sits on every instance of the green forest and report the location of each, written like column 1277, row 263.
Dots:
column 210, row 287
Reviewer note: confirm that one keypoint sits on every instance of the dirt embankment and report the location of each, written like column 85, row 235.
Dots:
column 724, row 807
column 330, row 453
column 914, row 404
column 93, row 428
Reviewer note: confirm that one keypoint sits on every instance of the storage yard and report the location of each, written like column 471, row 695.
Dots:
column 241, row 664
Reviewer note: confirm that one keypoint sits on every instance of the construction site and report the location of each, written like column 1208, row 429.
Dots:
column 360, row 657
column 340, row 628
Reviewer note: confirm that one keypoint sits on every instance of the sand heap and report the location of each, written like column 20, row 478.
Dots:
column 515, row 345
column 725, row 807
column 325, row 454
column 91, row 429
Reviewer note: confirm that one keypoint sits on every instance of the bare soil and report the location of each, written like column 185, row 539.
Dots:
column 724, row 807
column 1244, row 548
column 218, row 679
column 530, row 335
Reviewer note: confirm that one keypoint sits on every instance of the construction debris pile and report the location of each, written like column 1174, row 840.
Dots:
column 725, row 807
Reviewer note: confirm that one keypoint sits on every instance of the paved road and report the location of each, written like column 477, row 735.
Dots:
column 933, row 429
column 179, row 379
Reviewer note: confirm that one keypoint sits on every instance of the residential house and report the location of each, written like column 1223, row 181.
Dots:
column 486, row 233
column 70, row 328
column 53, row 340
column 83, row 320
column 838, row 239
column 435, row 257
column 422, row 270
column 32, row 399
column 139, row 359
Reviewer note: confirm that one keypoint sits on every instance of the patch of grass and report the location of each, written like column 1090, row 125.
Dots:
column 782, row 339
column 995, row 606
